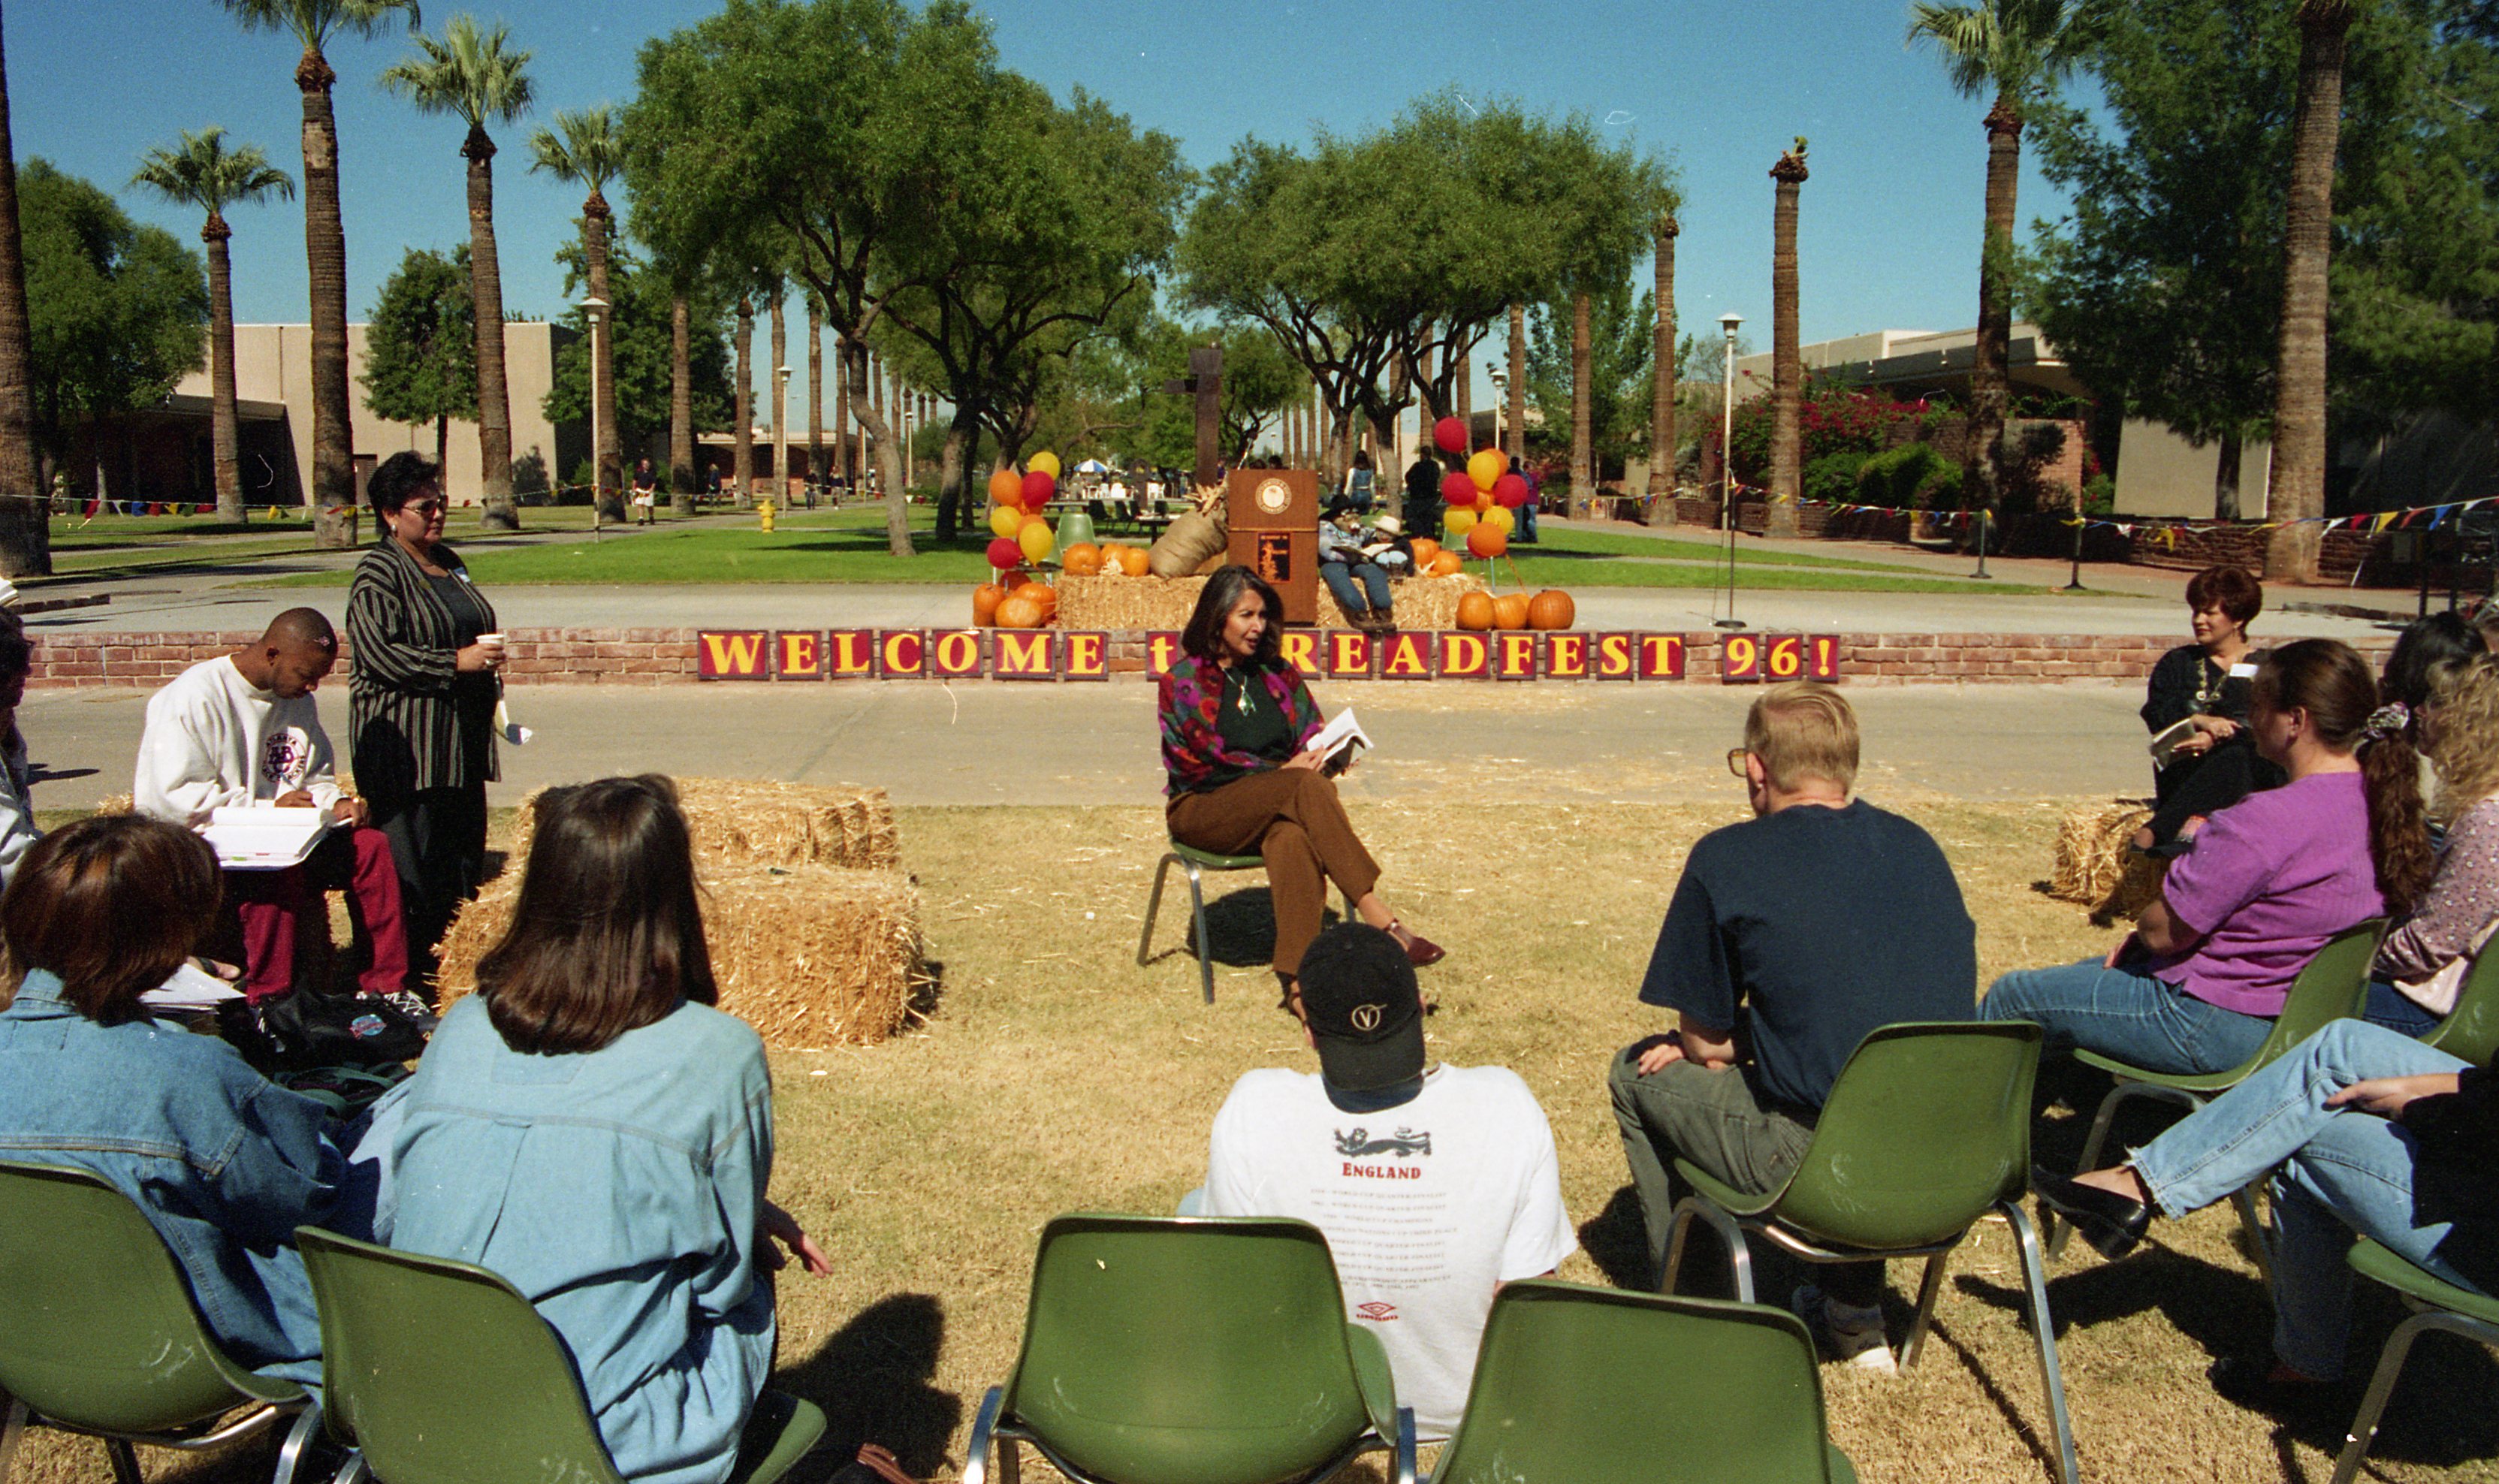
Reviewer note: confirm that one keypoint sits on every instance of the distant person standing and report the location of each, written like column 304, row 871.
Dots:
column 1527, row 506
column 646, row 494
column 711, row 483
column 1423, row 495
column 1360, row 483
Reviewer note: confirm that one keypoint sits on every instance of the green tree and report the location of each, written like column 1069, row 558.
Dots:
column 640, row 349
column 314, row 25
column 201, row 174
column 421, row 344
column 585, row 148
column 1259, row 383
column 26, row 525
column 1620, row 385
column 472, row 74
column 2014, row 52
column 116, row 311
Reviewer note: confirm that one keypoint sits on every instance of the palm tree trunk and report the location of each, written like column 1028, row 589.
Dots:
column 2296, row 490
column 1661, row 402
column 847, row 461
column 897, row 514
column 1462, row 391
column 1989, row 393
column 681, row 404
column 441, row 441
column 494, row 392
column 1787, row 369
column 815, row 391
column 610, row 455
column 2226, row 474
column 955, row 470
column 1583, row 477
column 741, row 463
column 333, row 496
column 224, row 447
column 772, row 377
column 26, row 520
column 1518, row 383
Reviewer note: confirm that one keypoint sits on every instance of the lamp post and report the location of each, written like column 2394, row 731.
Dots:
column 1500, row 402
column 1727, row 462
column 595, row 310
column 781, row 437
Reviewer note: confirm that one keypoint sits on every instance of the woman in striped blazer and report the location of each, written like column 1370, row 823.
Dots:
column 422, row 698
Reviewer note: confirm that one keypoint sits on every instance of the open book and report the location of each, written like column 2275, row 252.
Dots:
column 190, row 989
column 1337, row 743
column 2164, row 743
column 263, row 837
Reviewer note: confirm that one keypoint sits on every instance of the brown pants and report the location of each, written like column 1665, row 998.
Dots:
column 1294, row 819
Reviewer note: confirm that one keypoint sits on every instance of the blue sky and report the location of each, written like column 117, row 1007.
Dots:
column 1889, row 236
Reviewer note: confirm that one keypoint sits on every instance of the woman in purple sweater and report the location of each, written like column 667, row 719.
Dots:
column 2195, row 985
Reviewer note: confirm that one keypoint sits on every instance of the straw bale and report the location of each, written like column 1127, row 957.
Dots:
column 812, row 957
column 1166, row 602
column 2095, row 868
column 750, row 822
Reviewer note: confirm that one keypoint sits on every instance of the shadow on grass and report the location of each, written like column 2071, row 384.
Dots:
column 1240, row 925
column 873, row 1378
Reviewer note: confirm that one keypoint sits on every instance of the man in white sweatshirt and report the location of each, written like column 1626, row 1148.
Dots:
column 242, row 729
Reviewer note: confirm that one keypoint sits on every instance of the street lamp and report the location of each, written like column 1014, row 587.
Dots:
column 780, row 437
column 595, row 310
column 1500, row 400
column 1727, row 462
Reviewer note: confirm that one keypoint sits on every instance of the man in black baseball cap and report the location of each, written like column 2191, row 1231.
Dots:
column 1434, row 1185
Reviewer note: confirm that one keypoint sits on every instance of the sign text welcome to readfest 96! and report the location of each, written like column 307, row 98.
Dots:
column 1335, row 654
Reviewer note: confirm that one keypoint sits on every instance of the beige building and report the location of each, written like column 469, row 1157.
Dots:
column 273, row 385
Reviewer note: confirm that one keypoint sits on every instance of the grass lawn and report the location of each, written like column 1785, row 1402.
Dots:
column 1053, row 1074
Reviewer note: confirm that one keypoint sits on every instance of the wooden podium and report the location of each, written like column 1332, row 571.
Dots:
column 1273, row 516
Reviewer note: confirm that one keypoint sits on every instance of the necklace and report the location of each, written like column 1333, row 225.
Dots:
column 1241, row 705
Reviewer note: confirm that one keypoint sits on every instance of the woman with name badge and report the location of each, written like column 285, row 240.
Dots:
column 421, row 712
column 2196, row 707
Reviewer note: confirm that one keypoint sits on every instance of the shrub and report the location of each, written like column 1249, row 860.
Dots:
column 529, row 474
column 1911, row 476
column 2100, row 495
column 1833, row 477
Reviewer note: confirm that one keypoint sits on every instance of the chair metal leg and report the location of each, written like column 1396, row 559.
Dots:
column 1929, row 1286
column 1405, row 1445
column 299, row 1437
column 126, row 1461
column 2043, row 1333
column 11, row 1427
column 353, row 1470
column 2259, row 1245
column 976, row 1454
column 1739, row 1254
column 1197, row 918
column 2052, row 1233
column 1153, row 905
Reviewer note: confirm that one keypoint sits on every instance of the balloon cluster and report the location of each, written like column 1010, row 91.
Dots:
column 1015, row 501
column 1481, row 497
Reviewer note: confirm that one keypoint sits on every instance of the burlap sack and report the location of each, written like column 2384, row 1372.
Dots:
column 1185, row 547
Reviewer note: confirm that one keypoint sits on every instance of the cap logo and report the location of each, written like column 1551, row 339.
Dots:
column 1365, row 1017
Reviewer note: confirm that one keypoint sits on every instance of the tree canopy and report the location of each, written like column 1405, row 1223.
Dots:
column 638, row 334
column 421, row 341
column 115, row 310
column 1622, row 342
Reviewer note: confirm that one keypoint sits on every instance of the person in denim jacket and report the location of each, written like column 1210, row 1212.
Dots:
column 225, row 1164
column 588, row 1126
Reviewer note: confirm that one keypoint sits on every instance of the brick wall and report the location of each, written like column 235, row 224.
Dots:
column 645, row 657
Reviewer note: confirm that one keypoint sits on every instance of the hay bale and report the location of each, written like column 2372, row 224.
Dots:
column 2095, row 867
column 812, row 957
column 1166, row 602
column 747, row 821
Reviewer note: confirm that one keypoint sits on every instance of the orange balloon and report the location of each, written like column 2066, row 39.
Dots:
column 1484, row 502
column 1509, row 611
column 1487, row 542
column 1006, row 488
column 985, row 603
column 1474, row 611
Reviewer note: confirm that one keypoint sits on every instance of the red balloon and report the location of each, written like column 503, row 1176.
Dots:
column 1510, row 490
column 1487, row 542
column 1457, row 489
column 1038, row 486
column 1004, row 553
column 1449, row 436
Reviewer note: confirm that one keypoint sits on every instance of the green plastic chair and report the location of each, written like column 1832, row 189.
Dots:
column 1194, row 863
column 2335, row 987
column 1073, row 528
column 1927, row 1129
column 1167, row 1350
column 440, row 1372
column 1580, row 1385
column 2470, row 1030
column 98, row 1334
column 2436, row 1304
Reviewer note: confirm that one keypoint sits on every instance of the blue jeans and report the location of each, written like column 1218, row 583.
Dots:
column 1340, row 577
column 2343, row 1172
column 2391, row 1007
column 2125, row 1013
column 1526, row 513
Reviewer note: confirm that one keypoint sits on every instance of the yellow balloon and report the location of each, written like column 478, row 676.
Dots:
column 1486, row 467
column 1499, row 520
column 1005, row 519
column 1459, row 522
column 1045, row 462
column 1036, row 541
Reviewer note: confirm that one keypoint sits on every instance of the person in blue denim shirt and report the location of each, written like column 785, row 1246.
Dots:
column 225, row 1163
column 587, row 1126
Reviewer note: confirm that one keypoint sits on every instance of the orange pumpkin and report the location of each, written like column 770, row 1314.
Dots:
column 1133, row 558
column 1019, row 612
column 1082, row 560
column 1474, row 611
column 1041, row 596
column 1509, row 611
column 1425, row 549
column 1551, row 608
column 985, row 603
column 1447, row 564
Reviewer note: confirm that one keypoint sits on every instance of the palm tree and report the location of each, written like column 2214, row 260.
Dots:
column 2015, row 50
column 815, row 390
column 780, row 386
column 585, row 148
column 1661, row 408
column 1787, row 369
column 470, row 72
column 2297, row 491
column 1517, row 413
column 202, row 174
column 25, row 525
column 681, row 404
column 313, row 24
column 1583, row 462
column 741, row 463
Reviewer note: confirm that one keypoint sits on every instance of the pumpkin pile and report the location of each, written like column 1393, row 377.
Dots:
column 1551, row 608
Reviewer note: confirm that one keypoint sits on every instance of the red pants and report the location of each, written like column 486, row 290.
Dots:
column 278, row 907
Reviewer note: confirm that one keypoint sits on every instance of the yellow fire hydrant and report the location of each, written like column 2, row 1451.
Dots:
column 763, row 514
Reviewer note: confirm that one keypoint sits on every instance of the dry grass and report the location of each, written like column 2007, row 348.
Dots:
column 1057, row 1076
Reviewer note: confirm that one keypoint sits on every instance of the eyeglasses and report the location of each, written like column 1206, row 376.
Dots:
column 426, row 506
column 1736, row 756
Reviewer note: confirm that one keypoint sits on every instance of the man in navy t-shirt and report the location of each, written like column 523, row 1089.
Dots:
column 1790, row 937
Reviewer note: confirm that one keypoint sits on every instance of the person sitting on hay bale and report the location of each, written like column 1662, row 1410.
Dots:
column 2205, row 683
column 589, row 1076
column 1790, row 937
column 1234, row 716
column 1434, row 1185
column 1356, row 567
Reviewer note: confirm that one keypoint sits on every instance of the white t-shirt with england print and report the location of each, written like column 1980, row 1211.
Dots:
column 1427, row 1207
